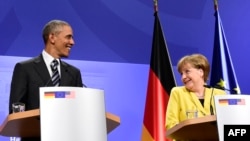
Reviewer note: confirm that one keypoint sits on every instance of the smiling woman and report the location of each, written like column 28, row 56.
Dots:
column 194, row 70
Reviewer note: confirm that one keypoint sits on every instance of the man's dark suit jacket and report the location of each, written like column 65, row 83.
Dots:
column 29, row 75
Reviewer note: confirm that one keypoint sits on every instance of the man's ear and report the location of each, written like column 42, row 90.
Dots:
column 52, row 38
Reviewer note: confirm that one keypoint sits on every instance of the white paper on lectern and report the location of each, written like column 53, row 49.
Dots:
column 235, row 114
column 72, row 114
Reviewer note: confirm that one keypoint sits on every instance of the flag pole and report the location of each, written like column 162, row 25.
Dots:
column 216, row 5
column 155, row 6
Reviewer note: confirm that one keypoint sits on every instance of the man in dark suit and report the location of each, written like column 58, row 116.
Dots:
column 30, row 75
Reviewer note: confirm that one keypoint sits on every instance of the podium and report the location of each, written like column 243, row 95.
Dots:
column 198, row 129
column 230, row 110
column 27, row 124
column 33, row 123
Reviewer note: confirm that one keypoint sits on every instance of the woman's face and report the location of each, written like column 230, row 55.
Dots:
column 191, row 77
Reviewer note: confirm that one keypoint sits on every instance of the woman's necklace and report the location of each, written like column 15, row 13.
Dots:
column 200, row 95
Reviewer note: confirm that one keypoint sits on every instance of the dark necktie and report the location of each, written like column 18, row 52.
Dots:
column 55, row 73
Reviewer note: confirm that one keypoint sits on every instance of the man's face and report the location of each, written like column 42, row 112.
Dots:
column 64, row 41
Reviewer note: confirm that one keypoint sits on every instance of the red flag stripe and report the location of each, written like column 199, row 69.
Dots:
column 156, row 102
column 161, row 81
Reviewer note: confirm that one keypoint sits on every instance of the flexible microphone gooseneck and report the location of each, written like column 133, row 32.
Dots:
column 212, row 94
column 47, row 83
column 50, row 80
column 83, row 85
column 211, row 107
column 221, row 88
column 67, row 71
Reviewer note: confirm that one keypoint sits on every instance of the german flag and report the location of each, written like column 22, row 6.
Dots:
column 160, row 82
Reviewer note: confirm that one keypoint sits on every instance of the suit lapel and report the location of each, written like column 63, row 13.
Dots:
column 65, row 76
column 198, row 103
column 41, row 69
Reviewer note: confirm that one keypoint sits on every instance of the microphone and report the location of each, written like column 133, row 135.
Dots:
column 219, row 87
column 73, row 77
column 47, row 83
column 50, row 80
column 212, row 94
column 84, row 85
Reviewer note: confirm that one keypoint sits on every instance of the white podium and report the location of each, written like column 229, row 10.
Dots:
column 231, row 110
column 72, row 113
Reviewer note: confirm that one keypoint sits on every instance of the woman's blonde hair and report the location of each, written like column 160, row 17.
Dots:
column 198, row 61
